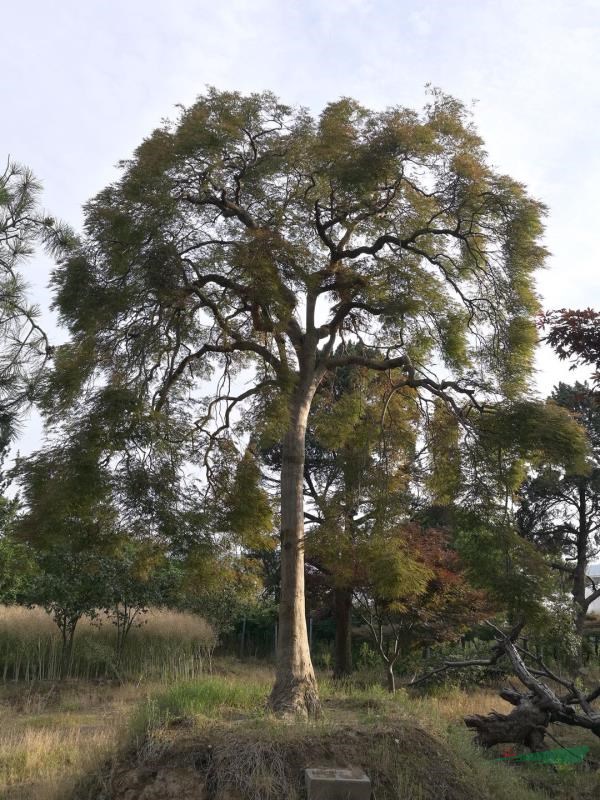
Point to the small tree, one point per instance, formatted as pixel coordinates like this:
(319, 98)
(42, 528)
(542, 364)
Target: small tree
(69, 585)
(67, 522)
(410, 592)
(136, 576)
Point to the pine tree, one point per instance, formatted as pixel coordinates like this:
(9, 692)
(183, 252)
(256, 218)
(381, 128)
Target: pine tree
(24, 346)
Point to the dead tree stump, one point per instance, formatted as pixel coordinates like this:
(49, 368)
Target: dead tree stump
(525, 725)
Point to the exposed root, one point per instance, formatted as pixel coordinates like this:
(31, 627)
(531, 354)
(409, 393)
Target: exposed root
(525, 725)
(295, 697)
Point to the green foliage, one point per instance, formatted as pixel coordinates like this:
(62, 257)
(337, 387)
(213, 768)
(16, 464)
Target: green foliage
(335, 428)
(68, 585)
(367, 657)
(16, 569)
(537, 432)
(202, 256)
(222, 588)
(454, 334)
(205, 698)
(249, 515)
(521, 339)
(361, 444)
(581, 401)
(514, 574)
(66, 496)
(444, 480)
(24, 346)
(556, 631)
(559, 508)
(393, 573)
(270, 418)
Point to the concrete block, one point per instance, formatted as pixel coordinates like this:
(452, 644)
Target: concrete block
(327, 783)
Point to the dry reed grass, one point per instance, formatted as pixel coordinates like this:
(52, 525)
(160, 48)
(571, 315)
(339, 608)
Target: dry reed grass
(177, 625)
(168, 644)
(40, 753)
(455, 704)
(27, 623)
(166, 623)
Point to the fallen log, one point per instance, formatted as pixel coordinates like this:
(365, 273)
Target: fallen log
(525, 725)
(534, 709)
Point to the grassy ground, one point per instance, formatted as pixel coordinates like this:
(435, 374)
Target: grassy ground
(413, 747)
(50, 734)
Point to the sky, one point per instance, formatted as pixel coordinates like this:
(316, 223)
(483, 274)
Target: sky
(83, 81)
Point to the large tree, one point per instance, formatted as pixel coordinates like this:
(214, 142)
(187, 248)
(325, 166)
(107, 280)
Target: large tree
(245, 241)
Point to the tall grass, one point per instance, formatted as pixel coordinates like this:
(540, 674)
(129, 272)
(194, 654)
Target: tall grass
(47, 755)
(169, 645)
(52, 738)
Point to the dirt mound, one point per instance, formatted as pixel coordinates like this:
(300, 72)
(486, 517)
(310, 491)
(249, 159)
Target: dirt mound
(161, 783)
(267, 761)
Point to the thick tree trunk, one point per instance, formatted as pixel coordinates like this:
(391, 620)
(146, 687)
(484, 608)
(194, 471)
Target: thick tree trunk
(342, 664)
(295, 689)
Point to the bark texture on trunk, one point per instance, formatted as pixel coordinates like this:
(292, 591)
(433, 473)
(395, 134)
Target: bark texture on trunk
(342, 600)
(295, 690)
